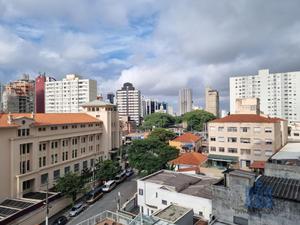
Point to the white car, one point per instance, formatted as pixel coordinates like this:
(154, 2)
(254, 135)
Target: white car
(76, 209)
(109, 185)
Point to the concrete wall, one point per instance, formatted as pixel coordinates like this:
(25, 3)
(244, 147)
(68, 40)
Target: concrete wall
(286, 171)
(230, 201)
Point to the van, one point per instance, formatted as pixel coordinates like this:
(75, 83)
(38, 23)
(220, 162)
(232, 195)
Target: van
(109, 185)
(121, 177)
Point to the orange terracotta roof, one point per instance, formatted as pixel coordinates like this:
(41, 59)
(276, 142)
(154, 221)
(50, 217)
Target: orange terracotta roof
(246, 118)
(44, 119)
(258, 165)
(190, 158)
(187, 137)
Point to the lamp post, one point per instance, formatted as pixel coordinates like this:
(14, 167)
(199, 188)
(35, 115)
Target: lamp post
(47, 204)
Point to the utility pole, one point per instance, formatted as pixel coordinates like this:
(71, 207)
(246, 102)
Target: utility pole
(47, 203)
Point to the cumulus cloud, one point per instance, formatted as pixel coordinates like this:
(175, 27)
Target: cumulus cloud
(159, 46)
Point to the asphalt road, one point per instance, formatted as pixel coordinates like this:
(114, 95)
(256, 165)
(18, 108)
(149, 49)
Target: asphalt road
(108, 201)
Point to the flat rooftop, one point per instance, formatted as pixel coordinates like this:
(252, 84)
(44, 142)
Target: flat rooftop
(288, 155)
(172, 213)
(199, 186)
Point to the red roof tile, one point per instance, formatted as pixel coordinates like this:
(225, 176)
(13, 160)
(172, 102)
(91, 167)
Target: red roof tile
(258, 165)
(246, 118)
(190, 158)
(44, 119)
(187, 137)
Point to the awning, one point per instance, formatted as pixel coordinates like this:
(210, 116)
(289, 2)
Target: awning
(224, 158)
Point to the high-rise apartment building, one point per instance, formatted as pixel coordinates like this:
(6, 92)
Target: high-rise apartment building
(111, 98)
(129, 102)
(69, 94)
(185, 100)
(40, 92)
(279, 93)
(212, 101)
(18, 96)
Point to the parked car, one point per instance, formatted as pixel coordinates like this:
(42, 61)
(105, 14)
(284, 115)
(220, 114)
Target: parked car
(109, 185)
(94, 195)
(121, 177)
(129, 172)
(62, 220)
(76, 209)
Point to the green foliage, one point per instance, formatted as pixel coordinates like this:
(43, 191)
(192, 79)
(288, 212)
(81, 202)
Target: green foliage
(150, 155)
(70, 185)
(178, 119)
(158, 120)
(162, 134)
(197, 118)
(107, 170)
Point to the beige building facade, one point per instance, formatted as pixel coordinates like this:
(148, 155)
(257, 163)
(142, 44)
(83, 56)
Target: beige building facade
(212, 101)
(36, 148)
(247, 106)
(245, 138)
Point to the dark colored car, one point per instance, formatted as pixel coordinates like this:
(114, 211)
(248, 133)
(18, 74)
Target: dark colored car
(129, 172)
(62, 220)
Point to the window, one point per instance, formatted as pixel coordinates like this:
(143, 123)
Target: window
(141, 191)
(245, 151)
(26, 185)
(212, 139)
(232, 139)
(232, 150)
(257, 141)
(74, 126)
(42, 129)
(296, 134)
(213, 149)
(44, 178)
(268, 130)
(84, 164)
(53, 128)
(257, 152)
(245, 129)
(83, 140)
(56, 174)
(220, 128)
(268, 152)
(268, 142)
(256, 129)
(245, 140)
(74, 153)
(240, 221)
(156, 195)
(232, 129)
(221, 139)
(23, 132)
(221, 149)
(67, 169)
(74, 141)
(164, 202)
(76, 167)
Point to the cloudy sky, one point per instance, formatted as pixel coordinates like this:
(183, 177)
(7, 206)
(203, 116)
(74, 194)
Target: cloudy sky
(159, 46)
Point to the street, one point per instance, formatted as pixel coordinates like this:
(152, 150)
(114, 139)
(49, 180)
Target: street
(107, 202)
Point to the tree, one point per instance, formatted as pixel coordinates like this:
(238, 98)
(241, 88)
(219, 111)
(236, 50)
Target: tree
(107, 170)
(150, 155)
(158, 120)
(162, 134)
(197, 118)
(70, 185)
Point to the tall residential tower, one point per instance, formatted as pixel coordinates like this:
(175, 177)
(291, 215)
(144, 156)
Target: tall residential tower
(212, 101)
(129, 102)
(185, 100)
(279, 93)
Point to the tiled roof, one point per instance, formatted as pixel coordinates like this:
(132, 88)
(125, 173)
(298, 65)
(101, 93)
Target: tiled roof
(258, 165)
(246, 118)
(187, 137)
(44, 119)
(190, 158)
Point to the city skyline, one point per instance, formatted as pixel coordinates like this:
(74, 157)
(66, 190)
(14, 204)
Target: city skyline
(132, 42)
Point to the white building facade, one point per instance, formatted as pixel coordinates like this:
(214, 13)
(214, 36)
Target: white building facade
(129, 102)
(161, 189)
(185, 100)
(69, 94)
(279, 93)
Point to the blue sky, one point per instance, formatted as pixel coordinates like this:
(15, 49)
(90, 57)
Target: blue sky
(159, 46)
